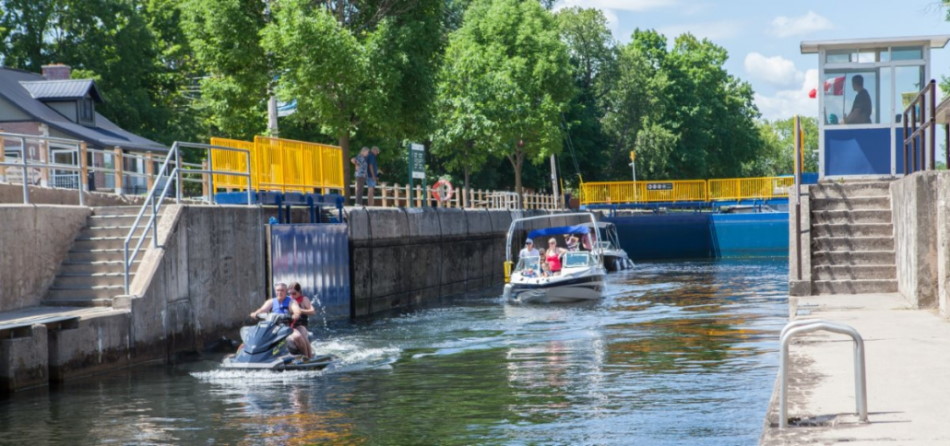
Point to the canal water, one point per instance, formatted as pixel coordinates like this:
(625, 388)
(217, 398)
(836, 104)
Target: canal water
(677, 353)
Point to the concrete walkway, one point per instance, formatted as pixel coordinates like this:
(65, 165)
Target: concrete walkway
(908, 375)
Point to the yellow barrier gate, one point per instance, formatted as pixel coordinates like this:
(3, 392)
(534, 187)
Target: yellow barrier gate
(673, 191)
(278, 164)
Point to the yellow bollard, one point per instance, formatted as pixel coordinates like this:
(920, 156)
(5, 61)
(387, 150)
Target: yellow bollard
(508, 265)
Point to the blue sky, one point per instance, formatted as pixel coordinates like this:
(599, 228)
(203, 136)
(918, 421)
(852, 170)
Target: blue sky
(763, 37)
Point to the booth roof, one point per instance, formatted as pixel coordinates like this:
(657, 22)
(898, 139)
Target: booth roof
(934, 41)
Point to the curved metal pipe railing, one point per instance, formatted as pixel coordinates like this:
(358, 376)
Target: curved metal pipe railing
(803, 326)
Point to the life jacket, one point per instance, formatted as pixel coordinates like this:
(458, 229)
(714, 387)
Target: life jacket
(281, 307)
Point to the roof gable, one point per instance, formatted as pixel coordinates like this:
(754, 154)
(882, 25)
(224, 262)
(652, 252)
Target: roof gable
(61, 90)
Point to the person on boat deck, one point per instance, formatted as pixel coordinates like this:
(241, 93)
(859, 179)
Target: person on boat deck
(553, 256)
(529, 250)
(282, 304)
(572, 242)
(300, 336)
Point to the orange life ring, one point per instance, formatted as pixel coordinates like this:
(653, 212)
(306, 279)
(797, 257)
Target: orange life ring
(442, 190)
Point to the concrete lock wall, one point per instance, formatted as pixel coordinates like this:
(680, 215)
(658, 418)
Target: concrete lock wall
(208, 274)
(402, 258)
(914, 201)
(34, 240)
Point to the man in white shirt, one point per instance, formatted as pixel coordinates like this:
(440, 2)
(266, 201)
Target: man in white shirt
(528, 250)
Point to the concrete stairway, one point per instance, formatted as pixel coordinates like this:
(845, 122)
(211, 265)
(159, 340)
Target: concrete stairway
(92, 273)
(852, 238)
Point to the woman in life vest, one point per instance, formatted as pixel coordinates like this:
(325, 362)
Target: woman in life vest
(306, 309)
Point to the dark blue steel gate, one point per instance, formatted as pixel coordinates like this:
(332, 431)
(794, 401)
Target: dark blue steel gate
(317, 256)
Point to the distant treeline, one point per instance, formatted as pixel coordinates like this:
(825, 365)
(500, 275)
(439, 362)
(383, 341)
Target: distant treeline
(493, 87)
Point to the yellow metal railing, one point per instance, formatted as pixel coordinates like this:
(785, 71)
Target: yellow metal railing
(611, 192)
(281, 164)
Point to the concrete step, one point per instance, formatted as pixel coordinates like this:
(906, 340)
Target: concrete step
(859, 286)
(851, 216)
(850, 189)
(113, 220)
(882, 202)
(78, 302)
(84, 243)
(826, 258)
(95, 255)
(111, 231)
(90, 280)
(853, 243)
(84, 292)
(847, 272)
(116, 210)
(852, 230)
(93, 266)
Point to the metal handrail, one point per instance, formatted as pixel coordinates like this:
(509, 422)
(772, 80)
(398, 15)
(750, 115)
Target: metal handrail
(919, 125)
(25, 164)
(154, 199)
(795, 328)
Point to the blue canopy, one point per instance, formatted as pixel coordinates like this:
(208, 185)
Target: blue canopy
(576, 229)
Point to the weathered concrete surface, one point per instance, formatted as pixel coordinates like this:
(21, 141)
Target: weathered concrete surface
(24, 359)
(13, 194)
(914, 200)
(207, 275)
(800, 285)
(907, 355)
(402, 258)
(93, 343)
(942, 208)
(34, 240)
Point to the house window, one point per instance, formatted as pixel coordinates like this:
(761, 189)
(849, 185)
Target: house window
(85, 110)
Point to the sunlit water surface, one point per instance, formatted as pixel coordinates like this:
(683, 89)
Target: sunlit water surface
(677, 353)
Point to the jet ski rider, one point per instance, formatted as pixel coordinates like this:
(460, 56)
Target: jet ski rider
(284, 304)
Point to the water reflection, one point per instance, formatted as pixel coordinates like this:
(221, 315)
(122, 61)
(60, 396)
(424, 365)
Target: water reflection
(677, 353)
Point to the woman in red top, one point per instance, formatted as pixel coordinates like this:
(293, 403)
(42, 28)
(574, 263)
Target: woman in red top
(553, 256)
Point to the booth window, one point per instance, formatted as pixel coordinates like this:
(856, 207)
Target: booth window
(851, 97)
(907, 53)
(908, 82)
(866, 55)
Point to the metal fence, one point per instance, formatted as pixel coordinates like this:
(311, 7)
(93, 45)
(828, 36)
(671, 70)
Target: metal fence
(282, 165)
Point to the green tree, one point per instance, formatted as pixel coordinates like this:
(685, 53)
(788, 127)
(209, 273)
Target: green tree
(511, 67)
(358, 66)
(776, 154)
(638, 94)
(593, 56)
(107, 40)
(224, 36)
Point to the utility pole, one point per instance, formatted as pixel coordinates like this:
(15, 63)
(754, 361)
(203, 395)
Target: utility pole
(633, 165)
(272, 130)
(554, 190)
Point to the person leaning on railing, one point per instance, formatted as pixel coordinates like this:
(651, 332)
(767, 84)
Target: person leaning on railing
(360, 161)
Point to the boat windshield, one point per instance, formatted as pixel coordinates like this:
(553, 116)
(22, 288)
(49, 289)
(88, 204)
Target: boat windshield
(528, 263)
(604, 245)
(575, 259)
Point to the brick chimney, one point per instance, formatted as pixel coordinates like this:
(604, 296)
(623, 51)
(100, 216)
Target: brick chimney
(56, 72)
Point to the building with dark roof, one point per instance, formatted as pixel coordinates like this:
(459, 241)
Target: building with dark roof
(53, 105)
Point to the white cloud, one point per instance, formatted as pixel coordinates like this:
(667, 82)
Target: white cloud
(776, 70)
(714, 31)
(787, 103)
(619, 5)
(792, 26)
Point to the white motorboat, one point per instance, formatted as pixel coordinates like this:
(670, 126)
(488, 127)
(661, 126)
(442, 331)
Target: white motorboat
(615, 258)
(580, 279)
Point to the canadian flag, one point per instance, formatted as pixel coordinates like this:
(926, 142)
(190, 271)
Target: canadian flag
(833, 87)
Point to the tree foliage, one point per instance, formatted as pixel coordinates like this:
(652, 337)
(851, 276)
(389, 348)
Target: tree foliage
(507, 66)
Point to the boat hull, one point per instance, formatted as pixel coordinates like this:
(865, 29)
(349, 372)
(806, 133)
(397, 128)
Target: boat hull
(581, 289)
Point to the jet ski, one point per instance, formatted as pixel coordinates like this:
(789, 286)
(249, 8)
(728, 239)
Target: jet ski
(265, 347)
